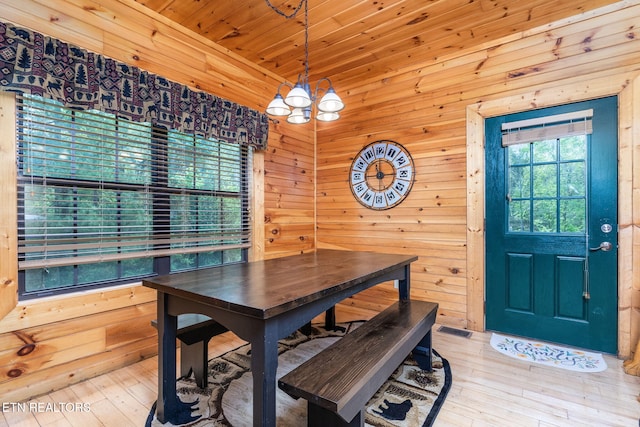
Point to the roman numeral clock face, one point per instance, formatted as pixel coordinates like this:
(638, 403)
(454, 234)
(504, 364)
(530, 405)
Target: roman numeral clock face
(382, 175)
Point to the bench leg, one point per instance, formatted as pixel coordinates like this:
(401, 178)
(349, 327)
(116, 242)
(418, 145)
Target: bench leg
(306, 329)
(422, 353)
(321, 417)
(329, 322)
(193, 357)
(330, 319)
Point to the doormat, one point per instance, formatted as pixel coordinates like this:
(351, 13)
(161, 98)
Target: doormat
(411, 397)
(548, 354)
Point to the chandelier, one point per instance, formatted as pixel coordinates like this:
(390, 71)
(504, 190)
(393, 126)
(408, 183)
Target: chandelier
(297, 106)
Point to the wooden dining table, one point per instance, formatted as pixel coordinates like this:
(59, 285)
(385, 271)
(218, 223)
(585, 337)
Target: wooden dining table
(262, 302)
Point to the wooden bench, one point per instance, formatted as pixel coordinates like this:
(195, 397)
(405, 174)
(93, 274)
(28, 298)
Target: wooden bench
(339, 381)
(194, 332)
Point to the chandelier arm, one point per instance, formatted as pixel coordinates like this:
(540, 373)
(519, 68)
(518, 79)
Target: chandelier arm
(285, 84)
(319, 89)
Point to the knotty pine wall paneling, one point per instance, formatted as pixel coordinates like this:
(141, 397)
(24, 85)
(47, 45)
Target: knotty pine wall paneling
(289, 196)
(436, 110)
(49, 343)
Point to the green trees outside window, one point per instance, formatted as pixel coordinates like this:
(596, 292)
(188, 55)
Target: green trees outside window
(547, 186)
(103, 200)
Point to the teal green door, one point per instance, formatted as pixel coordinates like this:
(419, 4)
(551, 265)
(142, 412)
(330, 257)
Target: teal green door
(551, 224)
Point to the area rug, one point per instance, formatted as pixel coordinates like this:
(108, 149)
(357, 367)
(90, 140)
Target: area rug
(411, 397)
(548, 354)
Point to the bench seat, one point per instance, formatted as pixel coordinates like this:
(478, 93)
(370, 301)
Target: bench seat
(339, 381)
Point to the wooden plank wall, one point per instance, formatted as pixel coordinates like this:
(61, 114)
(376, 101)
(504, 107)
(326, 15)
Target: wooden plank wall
(425, 109)
(49, 343)
(289, 218)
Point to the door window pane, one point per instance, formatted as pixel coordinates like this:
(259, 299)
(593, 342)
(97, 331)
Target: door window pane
(519, 154)
(545, 180)
(572, 216)
(520, 214)
(572, 179)
(573, 148)
(545, 151)
(544, 216)
(519, 181)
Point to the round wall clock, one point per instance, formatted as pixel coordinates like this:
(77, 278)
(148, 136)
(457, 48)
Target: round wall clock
(382, 175)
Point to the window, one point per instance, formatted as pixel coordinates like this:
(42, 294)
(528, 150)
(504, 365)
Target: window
(103, 201)
(547, 186)
(546, 163)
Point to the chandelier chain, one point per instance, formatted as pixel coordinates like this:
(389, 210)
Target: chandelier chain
(281, 13)
(304, 3)
(306, 40)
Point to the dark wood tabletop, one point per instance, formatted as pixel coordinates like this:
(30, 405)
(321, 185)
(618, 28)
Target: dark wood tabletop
(263, 289)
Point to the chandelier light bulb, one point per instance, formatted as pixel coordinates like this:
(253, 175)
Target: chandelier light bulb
(330, 102)
(327, 116)
(277, 107)
(298, 97)
(299, 116)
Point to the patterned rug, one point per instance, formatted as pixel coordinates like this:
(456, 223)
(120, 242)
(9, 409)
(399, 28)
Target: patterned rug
(411, 397)
(549, 354)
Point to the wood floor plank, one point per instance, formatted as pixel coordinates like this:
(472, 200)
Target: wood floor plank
(61, 423)
(146, 387)
(81, 417)
(111, 413)
(90, 392)
(120, 398)
(45, 416)
(18, 418)
(536, 409)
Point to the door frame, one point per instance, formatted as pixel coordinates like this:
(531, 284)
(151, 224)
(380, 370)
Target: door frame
(627, 88)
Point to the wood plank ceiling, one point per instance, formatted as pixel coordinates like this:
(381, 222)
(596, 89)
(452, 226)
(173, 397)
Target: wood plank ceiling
(353, 41)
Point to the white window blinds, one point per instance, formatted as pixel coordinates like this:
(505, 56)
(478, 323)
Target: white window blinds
(545, 128)
(95, 188)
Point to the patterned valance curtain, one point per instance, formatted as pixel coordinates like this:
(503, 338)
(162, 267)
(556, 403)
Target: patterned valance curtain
(36, 64)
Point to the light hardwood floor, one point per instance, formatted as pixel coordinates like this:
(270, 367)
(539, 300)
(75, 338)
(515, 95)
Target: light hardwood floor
(488, 389)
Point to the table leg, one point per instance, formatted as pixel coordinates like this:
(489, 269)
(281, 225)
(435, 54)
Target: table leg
(169, 408)
(404, 285)
(167, 326)
(264, 364)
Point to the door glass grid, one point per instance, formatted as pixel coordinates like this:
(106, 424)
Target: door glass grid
(546, 186)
